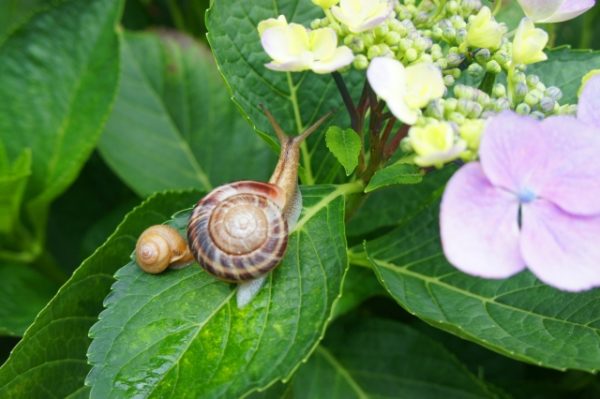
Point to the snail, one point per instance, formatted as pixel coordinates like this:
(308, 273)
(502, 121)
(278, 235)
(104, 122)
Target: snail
(239, 231)
(159, 247)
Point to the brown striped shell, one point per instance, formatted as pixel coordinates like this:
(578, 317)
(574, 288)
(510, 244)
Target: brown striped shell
(238, 231)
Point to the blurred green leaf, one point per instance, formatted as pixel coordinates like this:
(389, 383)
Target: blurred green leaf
(58, 78)
(518, 317)
(13, 179)
(174, 125)
(345, 145)
(25, 291)
(564, 69)
(360, 284)
(296, 99)
(390, 206)
(182, 334)
(377, 358)
(51, 357)
(397, 173)
(14, 13)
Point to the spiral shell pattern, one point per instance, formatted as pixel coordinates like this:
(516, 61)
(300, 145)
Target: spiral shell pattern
(237, 232)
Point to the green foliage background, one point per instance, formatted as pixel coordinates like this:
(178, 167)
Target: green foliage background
(115, 115)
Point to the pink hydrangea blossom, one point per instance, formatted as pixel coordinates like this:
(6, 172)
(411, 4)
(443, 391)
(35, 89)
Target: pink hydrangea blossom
(555, 10)
(532, 201)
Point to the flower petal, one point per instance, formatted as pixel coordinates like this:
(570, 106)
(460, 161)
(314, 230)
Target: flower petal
(561, 249)
(589, 103)
(479, 225)
(387, 77)
(323, 43)
(573, 176)
(285, 43)
(539, 10)
(570, 9)
(513, 152)
(341, 57)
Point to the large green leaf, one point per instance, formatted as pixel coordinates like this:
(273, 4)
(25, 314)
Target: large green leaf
(181, 334)
(51, 357)
(174, 125)
(58, 77)
(565, 68)
(296, 99)
(519, 317)
(377, 358)
(25, 291)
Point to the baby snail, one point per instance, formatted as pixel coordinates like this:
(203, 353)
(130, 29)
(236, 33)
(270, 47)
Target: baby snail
(239, 231)
(159, 247)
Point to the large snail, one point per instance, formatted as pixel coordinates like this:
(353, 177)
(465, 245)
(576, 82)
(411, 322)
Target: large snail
(239, 231)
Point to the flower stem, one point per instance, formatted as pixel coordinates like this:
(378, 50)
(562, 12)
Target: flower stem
(343, 89)
(307, 176)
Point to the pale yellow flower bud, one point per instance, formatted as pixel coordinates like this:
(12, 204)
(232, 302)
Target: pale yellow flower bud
(586, 78)
(293, 48)
(529, 43)
(325, 4)
(484, 32)
(362, 15)
(405, 90)
(435, 144)
(271, 23)
(471, 132)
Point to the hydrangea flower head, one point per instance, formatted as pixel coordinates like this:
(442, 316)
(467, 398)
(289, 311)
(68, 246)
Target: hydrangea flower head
(293, 48)
(555, 10)
(531, 201)
(405, 90)
(362, 15)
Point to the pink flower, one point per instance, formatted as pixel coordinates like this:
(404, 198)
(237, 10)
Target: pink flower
(534, 199)
(555, 10)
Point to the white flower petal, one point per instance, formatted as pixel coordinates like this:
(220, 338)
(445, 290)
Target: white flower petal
(342, 57)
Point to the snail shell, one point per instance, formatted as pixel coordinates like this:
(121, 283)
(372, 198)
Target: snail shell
(159, 247)
(239, 231)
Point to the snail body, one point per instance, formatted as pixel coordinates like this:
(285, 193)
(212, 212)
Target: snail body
(159, 247)
(239, 231)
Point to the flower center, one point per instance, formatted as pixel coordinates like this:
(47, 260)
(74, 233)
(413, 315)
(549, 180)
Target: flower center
(526, 196)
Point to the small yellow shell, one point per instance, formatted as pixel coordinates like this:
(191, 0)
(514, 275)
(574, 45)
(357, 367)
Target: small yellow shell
(159, 247)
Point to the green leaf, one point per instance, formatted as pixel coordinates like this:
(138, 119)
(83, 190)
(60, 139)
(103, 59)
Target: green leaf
(51, 357)
(390, 206)
(518, 317)
(13, 179)
(24, 292)
(345, 145)
(58, 77)
(397, 173)
(174, 125)
(182, 334)
(376, 358)
(565, 68)
(360, 284)
(14, 13)
(296, 99)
